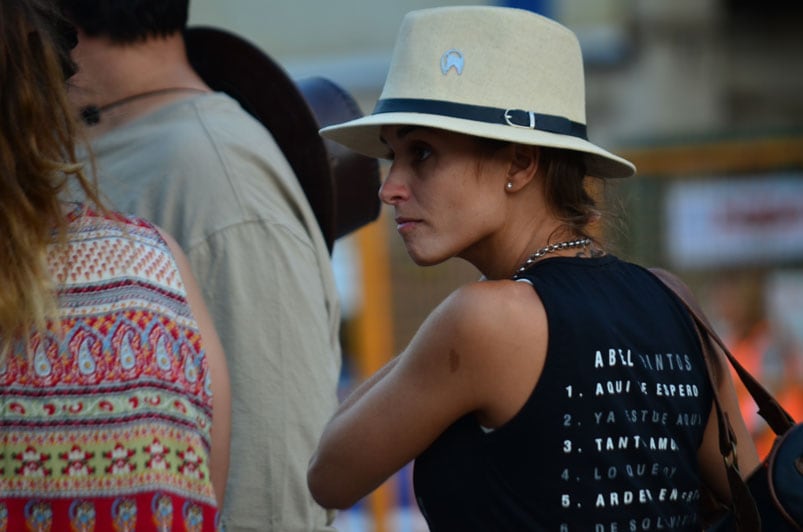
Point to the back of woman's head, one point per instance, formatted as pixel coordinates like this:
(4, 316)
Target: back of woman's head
(37, 156)
(566, 190)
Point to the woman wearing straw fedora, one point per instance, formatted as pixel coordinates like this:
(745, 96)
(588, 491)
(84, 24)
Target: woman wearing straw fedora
(566, 390)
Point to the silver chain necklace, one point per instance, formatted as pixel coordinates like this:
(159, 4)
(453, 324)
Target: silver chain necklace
(580, 242)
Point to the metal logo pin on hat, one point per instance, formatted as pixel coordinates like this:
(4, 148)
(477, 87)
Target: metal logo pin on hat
(452, 59)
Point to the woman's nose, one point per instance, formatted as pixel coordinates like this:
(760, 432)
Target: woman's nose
(393, 189)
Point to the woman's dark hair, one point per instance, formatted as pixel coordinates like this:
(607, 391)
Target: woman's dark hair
(566, 190)
(128, 21)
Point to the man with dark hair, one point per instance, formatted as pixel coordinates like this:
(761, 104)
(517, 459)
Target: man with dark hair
(193, 161)
(124, 22)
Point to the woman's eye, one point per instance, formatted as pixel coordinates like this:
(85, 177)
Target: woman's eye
(421, 153)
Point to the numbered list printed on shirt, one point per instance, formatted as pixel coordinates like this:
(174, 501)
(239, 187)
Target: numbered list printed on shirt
(625, 417)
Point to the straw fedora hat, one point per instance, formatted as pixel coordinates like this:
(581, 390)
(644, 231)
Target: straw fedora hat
(494, 72)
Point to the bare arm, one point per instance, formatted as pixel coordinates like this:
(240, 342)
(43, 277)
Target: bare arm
(441, 376)
(221, 392)
(366, 385)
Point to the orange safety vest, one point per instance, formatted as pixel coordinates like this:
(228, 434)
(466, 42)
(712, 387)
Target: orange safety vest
(750, 352)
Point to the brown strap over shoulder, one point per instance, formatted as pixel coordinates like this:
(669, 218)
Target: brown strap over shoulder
(743, 505)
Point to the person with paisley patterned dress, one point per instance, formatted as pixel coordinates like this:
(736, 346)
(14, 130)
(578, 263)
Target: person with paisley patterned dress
(114, 391)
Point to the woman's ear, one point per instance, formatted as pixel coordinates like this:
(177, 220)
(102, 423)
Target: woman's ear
(523, 166)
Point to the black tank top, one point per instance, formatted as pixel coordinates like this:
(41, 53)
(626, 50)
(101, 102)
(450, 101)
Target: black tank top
(607, 440)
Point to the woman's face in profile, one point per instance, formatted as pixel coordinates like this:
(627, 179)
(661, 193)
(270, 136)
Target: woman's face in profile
(448, 193)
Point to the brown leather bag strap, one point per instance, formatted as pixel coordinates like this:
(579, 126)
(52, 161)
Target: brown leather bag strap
(777, 418)
(742, 504)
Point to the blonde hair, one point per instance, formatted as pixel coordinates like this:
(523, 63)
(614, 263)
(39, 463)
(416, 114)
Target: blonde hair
(38, 132)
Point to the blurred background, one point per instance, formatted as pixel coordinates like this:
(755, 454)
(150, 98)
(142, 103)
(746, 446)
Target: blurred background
(704, 96)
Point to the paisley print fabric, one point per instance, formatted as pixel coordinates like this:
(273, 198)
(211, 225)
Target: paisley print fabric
(105, 419)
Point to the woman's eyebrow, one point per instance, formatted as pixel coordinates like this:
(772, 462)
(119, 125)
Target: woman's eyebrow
(406, 130)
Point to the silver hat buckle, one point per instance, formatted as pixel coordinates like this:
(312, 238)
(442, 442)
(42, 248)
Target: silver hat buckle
(513, 118)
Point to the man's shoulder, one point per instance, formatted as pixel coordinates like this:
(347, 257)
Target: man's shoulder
(219, 113)
(208, 135)
(206, 152)
(195, 124)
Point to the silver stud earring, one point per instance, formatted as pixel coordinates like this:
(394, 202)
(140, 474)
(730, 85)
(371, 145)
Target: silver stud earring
(509, 185)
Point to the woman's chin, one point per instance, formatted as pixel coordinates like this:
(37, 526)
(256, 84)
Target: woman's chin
(425, 259)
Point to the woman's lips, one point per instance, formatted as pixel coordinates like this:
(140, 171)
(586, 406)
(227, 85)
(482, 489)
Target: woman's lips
(404, 225)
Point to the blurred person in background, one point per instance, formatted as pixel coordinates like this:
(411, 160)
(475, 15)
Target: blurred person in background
(192, 160)
(567, 389)
(739, 306)
(113, 381)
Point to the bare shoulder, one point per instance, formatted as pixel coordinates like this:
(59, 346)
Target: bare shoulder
(497, 329)
(491, 322)
(491, 304)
